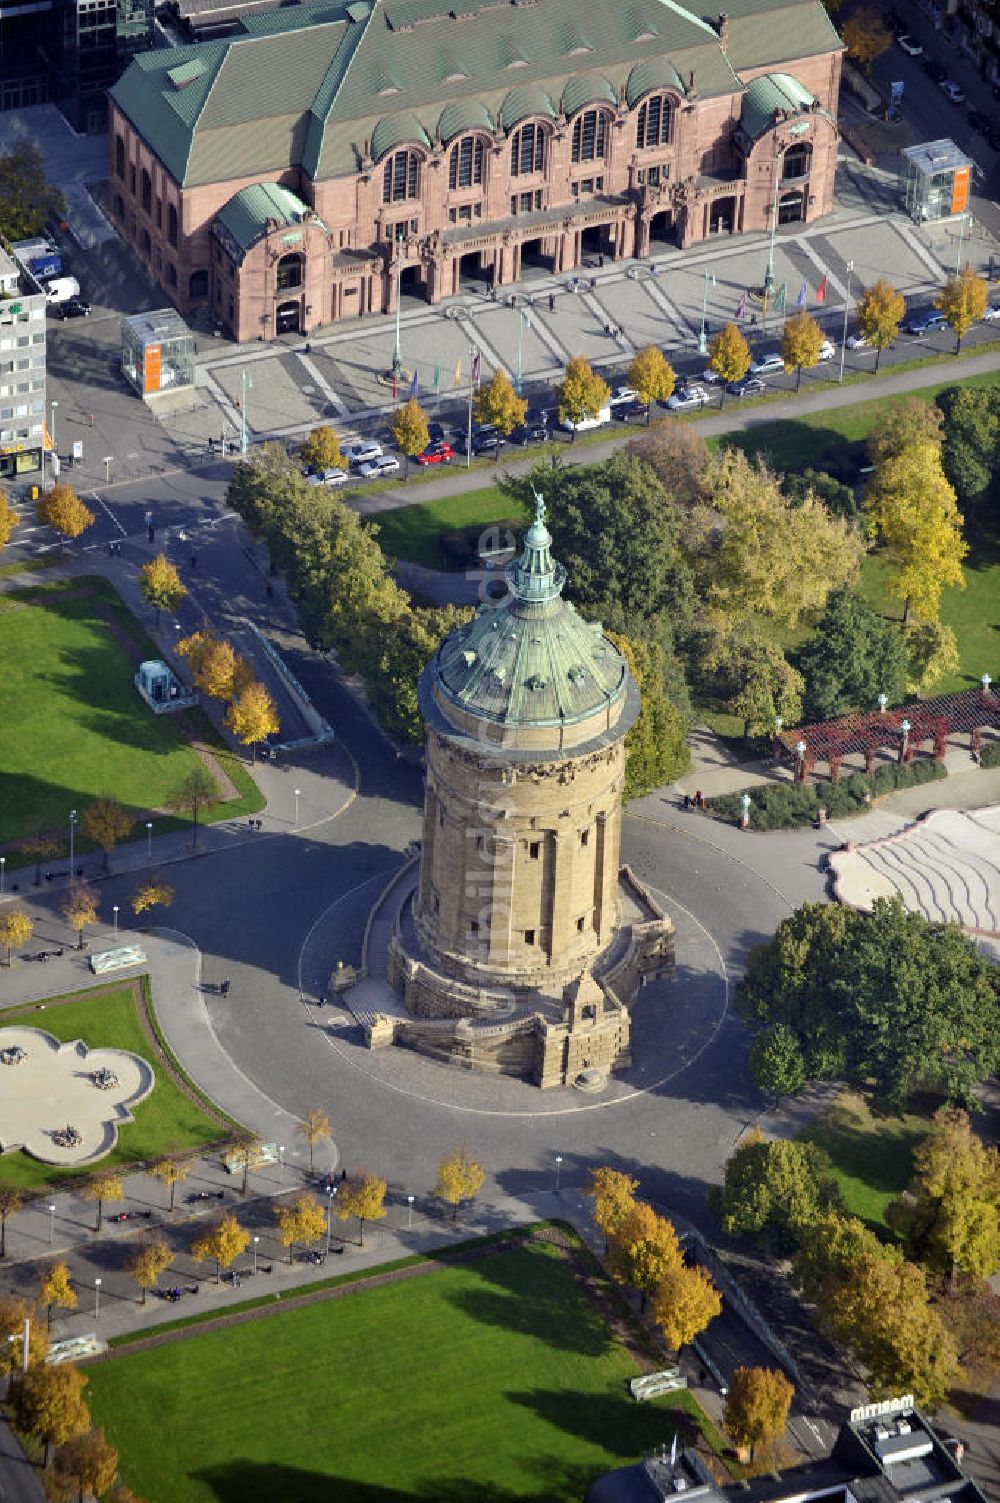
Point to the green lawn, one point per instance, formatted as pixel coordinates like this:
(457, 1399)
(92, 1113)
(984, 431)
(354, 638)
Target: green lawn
(166, 1121)
(415, 532)
(872, 1156)
(73, 725)
(495, 1379)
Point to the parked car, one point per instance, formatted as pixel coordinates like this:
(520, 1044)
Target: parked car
(435, 433)
(329, 477)
(529, 433)
(61, 289)
(709, 375)
(933, 69)
(827, 350)
(375, 469)
(910, 45)
(767, 364)
(688, 397)
(487, 441)
(622, 395)
(926, 323)
(73, 307)
(632, 412)
(598, 421)
(439, 453)
(951, 91)
(363, 451)
(992, 315)
(750, 386)
(857, 341)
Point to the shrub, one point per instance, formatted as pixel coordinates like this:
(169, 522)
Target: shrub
(990, 754)
(782, 806)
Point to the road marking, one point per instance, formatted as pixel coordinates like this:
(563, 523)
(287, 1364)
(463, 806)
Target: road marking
(336, 402)
(109, 513)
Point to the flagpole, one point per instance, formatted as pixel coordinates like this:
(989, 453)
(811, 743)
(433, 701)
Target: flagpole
(847, 304)
(702, 342)
(468, 432)
(397, 354)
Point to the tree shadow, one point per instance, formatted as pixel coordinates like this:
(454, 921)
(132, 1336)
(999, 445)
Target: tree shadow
(276, 1482)
(529, 1292)
(615, 1422)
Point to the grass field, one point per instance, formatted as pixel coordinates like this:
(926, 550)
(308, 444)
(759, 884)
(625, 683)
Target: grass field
(415, 532)
(74, 726)
(872, 1156)
(494, 1379)
(167, 1121)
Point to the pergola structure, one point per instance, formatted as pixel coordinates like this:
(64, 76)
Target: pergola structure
(902, 731)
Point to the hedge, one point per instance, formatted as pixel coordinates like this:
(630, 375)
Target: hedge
(990, 754)
(781, 806)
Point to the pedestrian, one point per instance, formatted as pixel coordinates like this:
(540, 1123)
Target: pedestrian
(600, 260)
(608, 330)
(194, 560)
(687, 800)
(552, 302)
(152, 532)
(250, 823)
(260, 824)
(699, 799)
(224, 988)
(593, 284)
(753, 319)
(269, 590)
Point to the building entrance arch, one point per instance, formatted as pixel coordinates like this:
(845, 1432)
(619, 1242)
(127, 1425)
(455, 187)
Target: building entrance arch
(791, 208)
(288, 318)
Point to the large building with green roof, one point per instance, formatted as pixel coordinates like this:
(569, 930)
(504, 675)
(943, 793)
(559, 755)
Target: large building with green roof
(296, 172)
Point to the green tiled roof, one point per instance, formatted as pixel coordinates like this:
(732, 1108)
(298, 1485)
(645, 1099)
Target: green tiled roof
(765, 95)
(397, 130)
(309, 84)
(464, 115)
(246, 215)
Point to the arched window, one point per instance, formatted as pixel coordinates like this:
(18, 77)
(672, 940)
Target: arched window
(401, 177)
(527, 151)
(289, 272)
(465, 165)
(795, 162)
(654, 122)
(590, 133)
(198, 284)
(147, 191)
(120, 157)
(172, 223)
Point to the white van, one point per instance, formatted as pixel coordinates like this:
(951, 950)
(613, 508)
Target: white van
(61, 289)
(604, 416)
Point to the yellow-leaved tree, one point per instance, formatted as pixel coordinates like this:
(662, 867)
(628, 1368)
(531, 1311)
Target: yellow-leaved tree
(216, 667)
(911, 509)
(315, 1128)
(931, 655)
(801, 342)
(104, 1186)
(962, 300)
(729, 355)
(581, 393)
(55, 1288)
(148, 1261)
(459, 1178)
(172, 1171)
(248, 1153)
(300, 1220)
(684, 1303)
(152, 893)
(86, 1464)
(14, 1311)
(652, 377)
(321, 450)
(11, 1201)
(79, 909)
(362, 1196)
(408, 426)
(106, 823)
(61, 509)
(880, 313)
(160, 586)
(613, 1194)
(48, 1404)
(8, 520)
(253, 716)
(757, 1406)
(643, 1248)
(498, 403)
(221, 1244)
(866, 36)
(16, 928)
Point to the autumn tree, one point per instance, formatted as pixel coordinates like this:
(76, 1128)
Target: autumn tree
(581, 393)
(866, 36)
(498, 403)
(88, 1463)
(55, 1288)
(79, 908)
(613, 1194)
(172, 1172)
(321, 450)
(962, 300)
(106, 823)
(61, 509)
(729, 355)
(757, 1406)
(801, 342)
(14, 1311)
(408, 426)
(300, 1220)
(683, 1303)
(16, 928)
(911, 509)
(8, 520)
(880, 312)
(216, 668)
(931, 649)
(677, 454)
(642, 1249)
(900, 425)
(11, 1201)
(198, 789)
(160, 586)
(39, 846)
(949, 1218)
(247, 1154)
(253, 716)
(362, 1196)
(104, 1186)
(151, 1258)
(315, 1128)
(221, 1243)
(459, 1178)
(652, 377)
(48, 1404)
(152, 893)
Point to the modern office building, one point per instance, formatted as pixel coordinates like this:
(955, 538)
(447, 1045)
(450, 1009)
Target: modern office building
(22, 371)
(70, 52)
(295, 172)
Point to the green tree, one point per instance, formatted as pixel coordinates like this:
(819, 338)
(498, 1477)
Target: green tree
(911, 509)
(827, 1251)
(61, 509)
(852, 657)
(160, 586)
(197, 790)
(48, 1404)
(962, 300)
(801, 343)
(642, 1248)
(613, 1194)
(775, 1189)
(901, 425)
(757, 1406)
(11, 1201)
(363, 1197)
(581, 394)
(397, 657)
(459, 1178)
(656, 747)
(147, 1262)
(729, 355)
(28, 201)
(684, 1303)
(881, 310)
(253, 716)
(652, 377)
(315, 1128)
(498, 403)
(300, 1220)
(87, 1463)
(751, 675)
(221, 1244)
(321, 450)
(107, 1185)
(776, 1062)
(950, 1216)
(837, 497)
(931, 655)
(106, 823)
(866, 36)
(408, 426)
(970, 454)
(55, 1288)
(16, 928)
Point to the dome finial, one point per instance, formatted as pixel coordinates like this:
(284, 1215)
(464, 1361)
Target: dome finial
(539, 505)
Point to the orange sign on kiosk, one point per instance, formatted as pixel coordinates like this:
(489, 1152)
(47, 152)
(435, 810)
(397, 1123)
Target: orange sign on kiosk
(151, 369)
(960, 190)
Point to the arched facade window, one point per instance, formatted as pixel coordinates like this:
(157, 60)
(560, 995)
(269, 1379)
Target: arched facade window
(290, 272)
(198, 284)
(120, 157)
(590, 136)
(147, 191)
(466, 163)
(791, 208)
(172, 224)
(655, 117)
(527, 151)
(795, 162)
(401, 177)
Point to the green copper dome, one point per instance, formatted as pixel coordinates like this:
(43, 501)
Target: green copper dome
(529, 659)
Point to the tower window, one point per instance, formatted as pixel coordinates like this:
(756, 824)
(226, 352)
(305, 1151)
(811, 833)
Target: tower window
(535, 849)
(529, 936)
(584, 837)
(473, 926)
(579, 925)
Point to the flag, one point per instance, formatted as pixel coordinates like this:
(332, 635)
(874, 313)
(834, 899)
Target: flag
(779, 299)
(803, 296)
(475, 369)
(413, 386)
(673, 1451)
(395, 386)
(741, 307)
(437, 378)
(821, 290)
(458, 371)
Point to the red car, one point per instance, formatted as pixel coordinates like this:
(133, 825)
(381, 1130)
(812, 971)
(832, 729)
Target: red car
(436, 454)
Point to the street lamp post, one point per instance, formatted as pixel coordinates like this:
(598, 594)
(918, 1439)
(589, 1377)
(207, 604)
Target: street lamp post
(114, 910)
(108, 460)
(296, 791)
(247, 385)
(523, 319)
(52, 1224)
(72, 832)
(97, 1298)
(558, 1167)
(52, 429)
(847, 304)
(149, 840)
(255, 1242)
(409, 1212)
(281, 1163)
(331, 1191)
(3, 863)
(702, 337)
(961, 233)
(397, 354)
